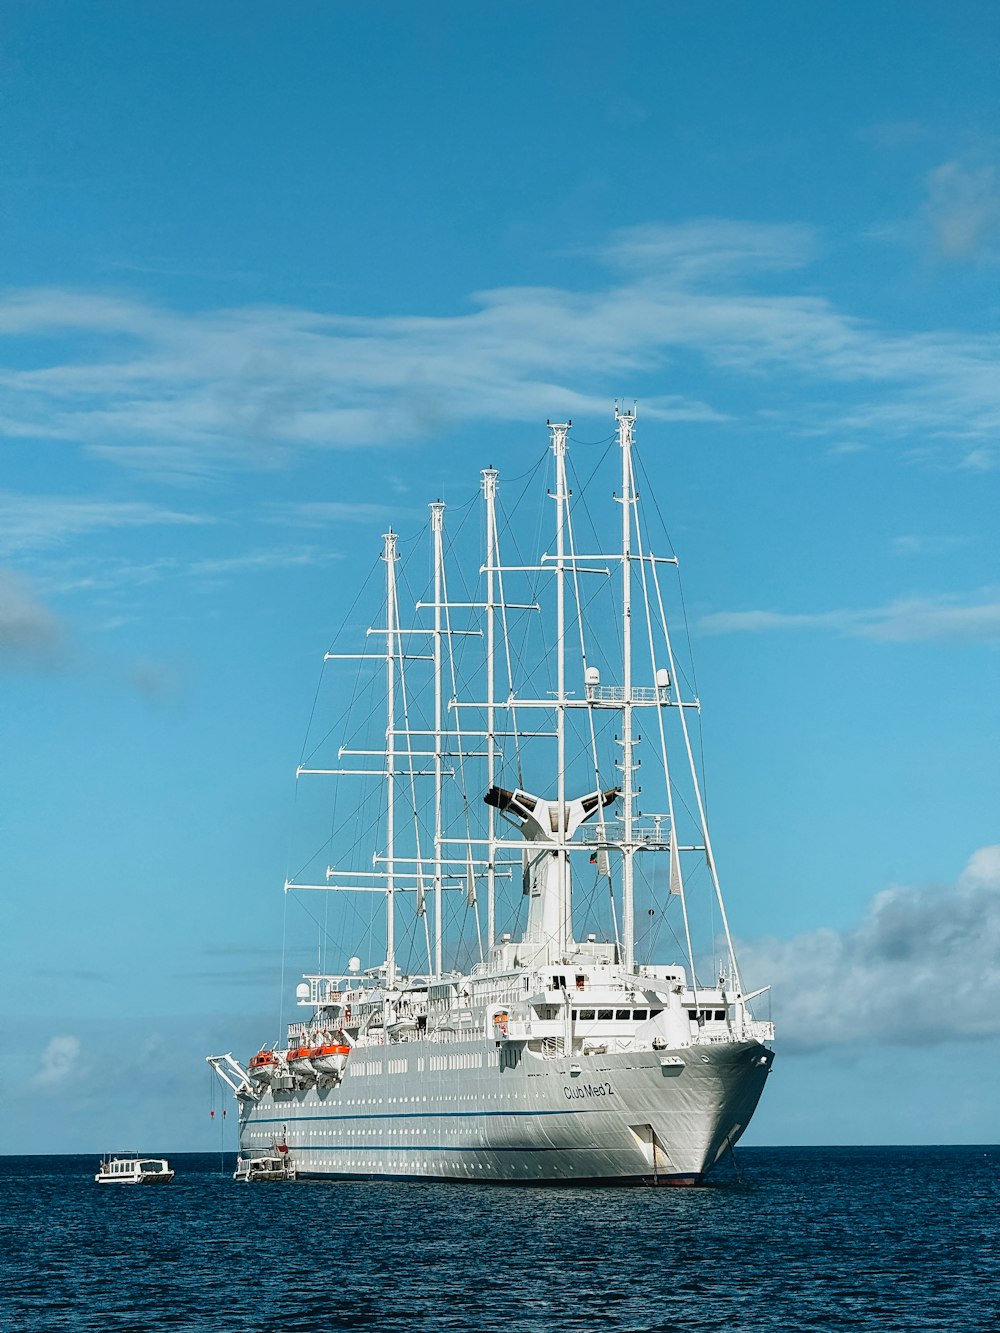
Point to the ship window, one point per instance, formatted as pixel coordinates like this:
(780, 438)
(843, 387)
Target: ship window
(639, 1015)
(655, 1013)
(693, 1015)
(720, 1015)
(605, 1013)
(623, 1013)
(586, 1013)
(581, 983)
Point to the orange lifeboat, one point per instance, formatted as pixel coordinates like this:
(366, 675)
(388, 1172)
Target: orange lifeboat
(330, 1059)
(298, 1060)
(264, 1066)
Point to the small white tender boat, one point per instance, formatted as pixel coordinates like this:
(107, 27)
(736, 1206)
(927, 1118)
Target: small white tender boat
(134, 1170)
(277, 1166)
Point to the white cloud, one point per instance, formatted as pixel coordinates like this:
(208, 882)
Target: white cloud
(711, 248)
(252, 561)
(106, 577)
(156, 682)
(846, 448)
(323, 513)
(893, 134)
(751, 622)
(35, 521)
(963, 210)
(911, 544)
(922, 968)
(918, 619)
(907, 620)
(183, 394)
(59, 1063)
(983, 459)
(30, 635)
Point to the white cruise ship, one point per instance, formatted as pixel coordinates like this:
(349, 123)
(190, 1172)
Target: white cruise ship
(517, 833)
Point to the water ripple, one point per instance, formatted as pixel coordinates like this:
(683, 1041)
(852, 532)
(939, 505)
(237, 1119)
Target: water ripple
(883, 1239)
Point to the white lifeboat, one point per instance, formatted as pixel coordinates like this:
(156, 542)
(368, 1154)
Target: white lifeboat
(264, 1066)
(330, 1059)
(299, 1061)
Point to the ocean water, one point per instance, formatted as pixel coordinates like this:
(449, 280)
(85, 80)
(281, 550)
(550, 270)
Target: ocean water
(823, 1238)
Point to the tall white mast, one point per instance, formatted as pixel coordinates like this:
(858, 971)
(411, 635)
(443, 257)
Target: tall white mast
(490, 478)
(559, 433)
(626, 422)
(391, 624)
(437, 531)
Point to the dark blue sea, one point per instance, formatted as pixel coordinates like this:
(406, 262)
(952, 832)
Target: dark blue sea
(792, 1238)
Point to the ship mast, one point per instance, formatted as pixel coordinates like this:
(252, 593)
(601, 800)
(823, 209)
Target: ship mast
(437, 530)
(489, 484)
(626, 423)
(558, 434)
(391, 624)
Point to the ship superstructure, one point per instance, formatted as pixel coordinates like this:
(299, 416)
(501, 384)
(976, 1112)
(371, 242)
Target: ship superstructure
(502, 795)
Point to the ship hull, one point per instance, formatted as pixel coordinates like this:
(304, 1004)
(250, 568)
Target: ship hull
(459, 1111)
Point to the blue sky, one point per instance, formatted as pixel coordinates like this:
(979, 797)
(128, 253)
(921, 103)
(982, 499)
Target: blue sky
(273, 276)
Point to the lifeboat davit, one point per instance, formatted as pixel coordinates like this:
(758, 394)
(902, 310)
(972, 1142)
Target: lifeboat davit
(330, 1059)
(264, 1066)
